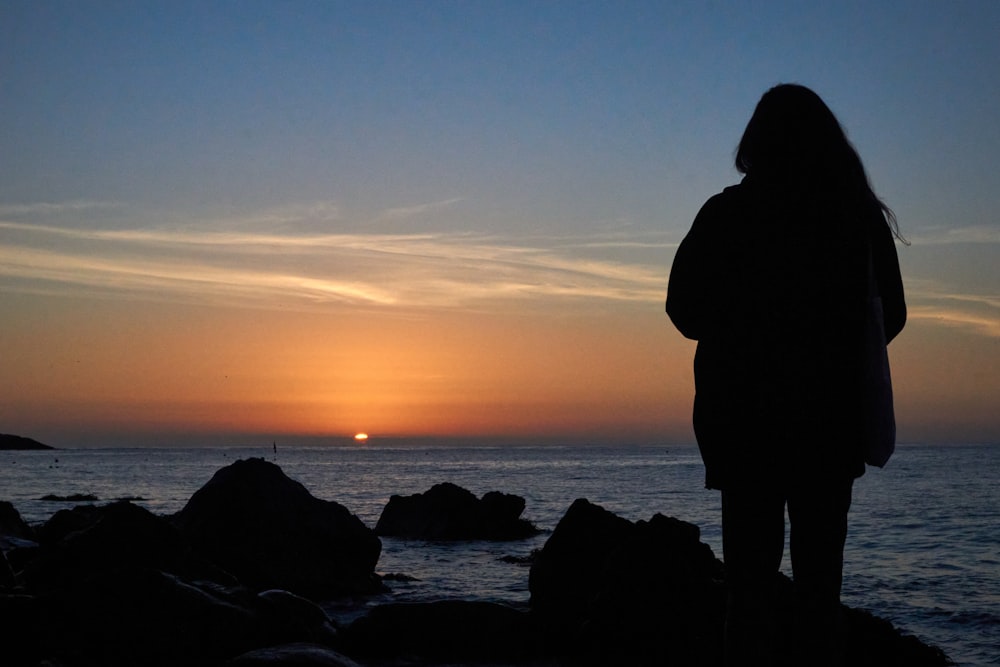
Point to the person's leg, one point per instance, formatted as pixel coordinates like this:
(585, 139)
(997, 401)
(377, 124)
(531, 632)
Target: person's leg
(817, 513)
(753, 539)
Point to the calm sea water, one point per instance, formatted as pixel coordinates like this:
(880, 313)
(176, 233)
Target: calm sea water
(923, 549)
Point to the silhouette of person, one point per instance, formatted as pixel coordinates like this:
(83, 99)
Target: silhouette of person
(772, 281)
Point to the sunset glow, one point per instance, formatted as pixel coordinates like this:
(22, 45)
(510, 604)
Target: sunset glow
(294, 224)
(361, 437)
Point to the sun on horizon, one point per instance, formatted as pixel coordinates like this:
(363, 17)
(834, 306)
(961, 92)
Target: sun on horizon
(360, 437)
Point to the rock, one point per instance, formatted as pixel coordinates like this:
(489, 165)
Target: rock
(573, 557)
(71, 498)
(607, 590)
(292, 655)
(645, 592)
(519, 560)
(138, 616)
(449, 512)
(875, 642)
(86, 541)
(270, 532)
(446, 630)
(20, 553)
(289, 616)
(67, 521)
(6, 573)
(17, 544)
(11, 523)
(20, 630)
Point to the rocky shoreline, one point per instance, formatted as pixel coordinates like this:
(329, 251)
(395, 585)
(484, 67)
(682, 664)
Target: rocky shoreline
(235, 579)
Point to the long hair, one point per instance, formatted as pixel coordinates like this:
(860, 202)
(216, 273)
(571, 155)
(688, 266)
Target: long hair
(793, 139)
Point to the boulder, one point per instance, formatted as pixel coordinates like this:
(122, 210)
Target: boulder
(88, 541)
(647, 592)
(16, 541)
(292, 655)
(290, 617)
(70, 498)
(6, 573)
(445, 630)
(607, 590)
(562, 575)
(67, 521)
(141, 616)
(20, 630)
(449, 512)
(270, 532)
(875, 642)
(11, 523)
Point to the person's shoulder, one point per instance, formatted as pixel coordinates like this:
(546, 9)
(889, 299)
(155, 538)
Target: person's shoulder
(724, 201)
(730, 194)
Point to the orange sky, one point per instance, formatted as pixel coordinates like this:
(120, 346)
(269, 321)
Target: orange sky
(161, 367)
(100, 371)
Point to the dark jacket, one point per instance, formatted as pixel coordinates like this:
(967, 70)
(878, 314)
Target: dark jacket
(773, 287)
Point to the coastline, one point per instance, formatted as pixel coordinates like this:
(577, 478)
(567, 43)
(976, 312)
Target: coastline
(521, 630)
(11, 442)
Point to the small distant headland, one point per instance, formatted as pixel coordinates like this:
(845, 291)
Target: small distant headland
(8, 441)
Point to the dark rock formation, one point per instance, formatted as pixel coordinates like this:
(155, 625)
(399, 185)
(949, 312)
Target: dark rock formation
(6, 573)
(67, 521)
(71, 498)
(89, 541)
(875, 642)
(116, 585)
(449, 512)
(17, 542)
(138, 616)
(21, 627)
(288, 616)
(11, 523)
(562, 574)
(446, 630)
(649, 591)
(270, 532)
(292, 655)
(8, 441)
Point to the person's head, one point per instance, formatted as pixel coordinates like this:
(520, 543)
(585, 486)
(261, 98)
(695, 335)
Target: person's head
(793, 139)
(792, 133)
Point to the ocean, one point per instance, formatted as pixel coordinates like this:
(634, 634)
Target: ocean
(923, 549)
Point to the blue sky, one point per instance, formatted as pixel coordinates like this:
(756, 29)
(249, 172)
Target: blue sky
(547, 157)
(554, 109)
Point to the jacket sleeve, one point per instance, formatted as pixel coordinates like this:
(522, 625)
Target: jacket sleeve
(689, 291)
(889, 280)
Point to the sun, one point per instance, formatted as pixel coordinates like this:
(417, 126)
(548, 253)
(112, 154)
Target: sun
(360, 437)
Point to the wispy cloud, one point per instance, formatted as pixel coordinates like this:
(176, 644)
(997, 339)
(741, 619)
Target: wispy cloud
(978, 234)
(954, 317)
(287, 269)
(403, 212)
(54, 208)
(271, 259)
(935, 303)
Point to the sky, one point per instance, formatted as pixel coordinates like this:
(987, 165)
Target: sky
(236, 222)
